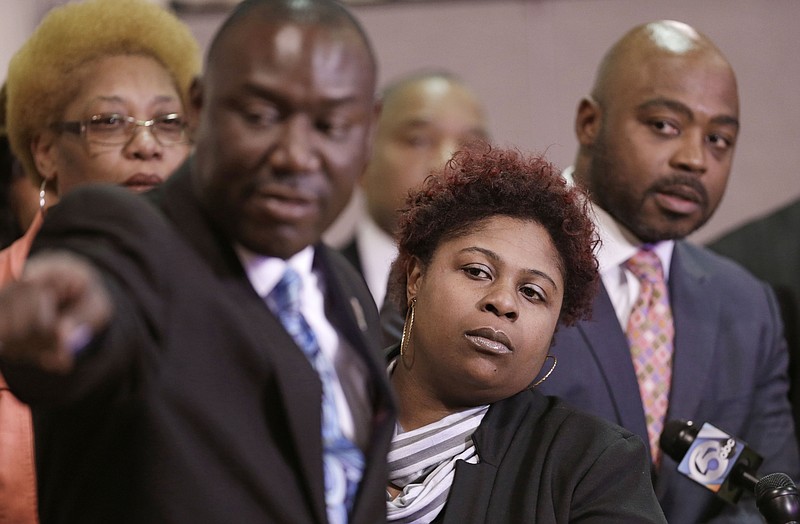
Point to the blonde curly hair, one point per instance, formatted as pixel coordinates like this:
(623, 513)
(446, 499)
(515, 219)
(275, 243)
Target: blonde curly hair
(41, 80)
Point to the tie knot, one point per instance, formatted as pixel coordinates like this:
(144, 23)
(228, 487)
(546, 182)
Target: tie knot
(285, 296)
(646, 265)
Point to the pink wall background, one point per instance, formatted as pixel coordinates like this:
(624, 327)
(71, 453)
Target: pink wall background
(531, 61)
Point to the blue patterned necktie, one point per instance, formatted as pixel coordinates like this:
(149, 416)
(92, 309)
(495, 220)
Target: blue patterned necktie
(343, 461)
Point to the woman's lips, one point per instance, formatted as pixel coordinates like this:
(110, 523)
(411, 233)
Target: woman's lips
(491, 341)
(142, 182)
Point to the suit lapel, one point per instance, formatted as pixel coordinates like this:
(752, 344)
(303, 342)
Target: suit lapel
(473, 483)
(695, 310)
(299, 383)
(355, 317)
(350, 313)
(350, 252)
(343, 307)
(300, 386)
(609, 346)
(692, 305)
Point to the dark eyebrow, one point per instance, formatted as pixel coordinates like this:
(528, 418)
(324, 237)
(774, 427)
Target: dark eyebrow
(118, 99)
(678, 107)
(269, 94)
(496, 258)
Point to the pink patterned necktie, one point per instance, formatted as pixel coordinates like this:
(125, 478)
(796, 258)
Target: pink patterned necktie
(651, 334)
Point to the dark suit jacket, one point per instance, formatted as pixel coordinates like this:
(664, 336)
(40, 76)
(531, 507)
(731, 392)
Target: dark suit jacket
(195, 406)
(350, 252)
(729, 369)
(545, 462)
(770, 249)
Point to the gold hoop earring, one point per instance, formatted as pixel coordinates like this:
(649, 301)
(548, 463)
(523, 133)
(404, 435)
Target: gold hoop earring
(42, 196)
(407, 326)
(555, 362)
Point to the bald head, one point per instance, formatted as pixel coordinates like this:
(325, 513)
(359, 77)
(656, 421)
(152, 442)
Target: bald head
(425, 117)
(402, 84)
(648, 42)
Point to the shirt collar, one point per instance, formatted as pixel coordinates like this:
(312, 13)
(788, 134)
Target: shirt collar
(265, 272)
(376, 251)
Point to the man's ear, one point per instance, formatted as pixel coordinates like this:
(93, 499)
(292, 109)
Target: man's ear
(43, 149)
(195, 103)
(587, 121)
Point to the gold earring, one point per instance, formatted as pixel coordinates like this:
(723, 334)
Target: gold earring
(407, 326)
(555, 361)
(42, 195)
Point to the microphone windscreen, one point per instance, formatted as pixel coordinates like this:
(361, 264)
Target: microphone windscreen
(771, 482)
(778, 499)
(677, 438)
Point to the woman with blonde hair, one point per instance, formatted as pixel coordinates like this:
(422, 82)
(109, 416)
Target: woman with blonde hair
(97, 94)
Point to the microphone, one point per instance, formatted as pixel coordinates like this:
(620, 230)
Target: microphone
(727, 466)
(778, 499)
(712, 458)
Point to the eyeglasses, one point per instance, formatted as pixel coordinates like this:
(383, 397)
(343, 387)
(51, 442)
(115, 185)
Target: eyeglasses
(114, 129)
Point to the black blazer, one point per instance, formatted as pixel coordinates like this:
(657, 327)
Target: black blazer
(195, 405)
(350, 252)
(543, 461)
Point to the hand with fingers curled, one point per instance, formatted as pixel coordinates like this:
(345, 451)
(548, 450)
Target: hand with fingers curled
(48, 316)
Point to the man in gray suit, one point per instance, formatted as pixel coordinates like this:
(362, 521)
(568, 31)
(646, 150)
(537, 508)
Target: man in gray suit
(151, 336)
(657, 137)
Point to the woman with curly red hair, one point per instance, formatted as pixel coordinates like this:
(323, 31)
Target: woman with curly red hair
(494, 253)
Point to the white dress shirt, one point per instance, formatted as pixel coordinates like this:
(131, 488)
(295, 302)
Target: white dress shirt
(376, 251)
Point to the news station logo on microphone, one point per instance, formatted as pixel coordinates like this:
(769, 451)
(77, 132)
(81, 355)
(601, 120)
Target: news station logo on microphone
(711, 459)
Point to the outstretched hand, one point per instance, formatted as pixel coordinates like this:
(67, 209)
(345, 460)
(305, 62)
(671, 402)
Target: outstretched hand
(52, 312)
